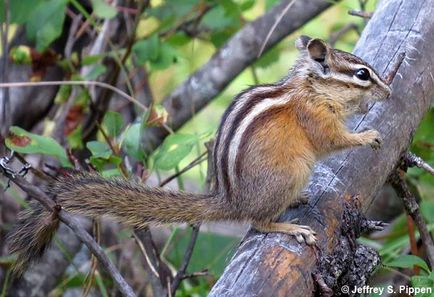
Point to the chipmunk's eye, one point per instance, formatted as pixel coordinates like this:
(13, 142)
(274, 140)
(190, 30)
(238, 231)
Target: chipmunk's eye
(362, 74)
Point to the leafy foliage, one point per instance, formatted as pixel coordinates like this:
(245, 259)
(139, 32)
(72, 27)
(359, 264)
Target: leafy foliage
(28, 143)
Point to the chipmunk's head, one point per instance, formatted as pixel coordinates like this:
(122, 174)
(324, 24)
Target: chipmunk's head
(339, 75)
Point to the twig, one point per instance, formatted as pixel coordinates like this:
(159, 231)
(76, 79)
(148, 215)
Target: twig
(397, 180)
(413, 160)
(187, 256)
(82, 234)
(76, 20)
(204, 272)
(362, 14)
(413, 242)
(180, 275)
(75, 83)
(115, 149)
(192, 164)
(254, 74)
(145, 254)
(80, 83)
(392, 73)
(156, 267)
(285, 10)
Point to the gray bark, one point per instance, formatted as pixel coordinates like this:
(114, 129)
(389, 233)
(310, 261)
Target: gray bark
(229, 61)
(28, 105)
(275, 264)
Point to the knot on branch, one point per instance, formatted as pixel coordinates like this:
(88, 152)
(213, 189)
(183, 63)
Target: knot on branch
(351, 263)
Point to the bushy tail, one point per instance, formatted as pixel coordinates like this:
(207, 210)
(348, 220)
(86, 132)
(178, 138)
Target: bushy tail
(32, 235)
(128, 202)
(133, 203)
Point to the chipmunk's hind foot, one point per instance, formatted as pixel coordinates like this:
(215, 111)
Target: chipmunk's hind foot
(300, 232)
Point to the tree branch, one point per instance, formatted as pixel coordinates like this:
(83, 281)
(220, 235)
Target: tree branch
(187, 256)
(413, 160)
(275, 264)
(230, 60)
(84, 236)
(397, 179)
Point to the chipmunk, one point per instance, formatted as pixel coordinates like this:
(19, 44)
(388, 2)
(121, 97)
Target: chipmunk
(267, 143)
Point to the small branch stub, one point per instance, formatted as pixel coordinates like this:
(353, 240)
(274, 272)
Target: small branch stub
(391, 75)
(362, 14)
(412, 160)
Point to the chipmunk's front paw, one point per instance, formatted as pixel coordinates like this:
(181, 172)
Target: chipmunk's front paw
(373, 138)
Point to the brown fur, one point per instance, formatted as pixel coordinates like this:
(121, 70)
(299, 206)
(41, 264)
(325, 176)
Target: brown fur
(133, 203)
(32, 235)
(303, 120)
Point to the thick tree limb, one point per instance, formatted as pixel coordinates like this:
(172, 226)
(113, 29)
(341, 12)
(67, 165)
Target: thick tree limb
(275, 264)
(229, 61)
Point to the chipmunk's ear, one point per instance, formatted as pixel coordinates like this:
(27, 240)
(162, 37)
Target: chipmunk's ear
(317, 50)
(301, 42)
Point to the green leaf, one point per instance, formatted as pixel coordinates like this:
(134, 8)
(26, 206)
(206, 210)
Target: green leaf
(173, 150)
(427, 209)
(166, 57)
(423, 142)
(28, 143)
(92, 59)
(178, 39)
(111, 172)
(147, 49)
(112, 123)
(220, 37)
(423, 285)
(270, 57)
(408, 261)
(103, 10)
(63, 94)
(96, 71)
(20, 10)
(45, 23)
(230, 7)
(246, 5)
(21, 55)
(99, 149)
(75, 138)
(171, 10)
(131, 142)
(270, 3)
(217, 19)
(160, 55)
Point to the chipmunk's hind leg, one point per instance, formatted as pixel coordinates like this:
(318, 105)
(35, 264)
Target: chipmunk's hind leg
(300, 232)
